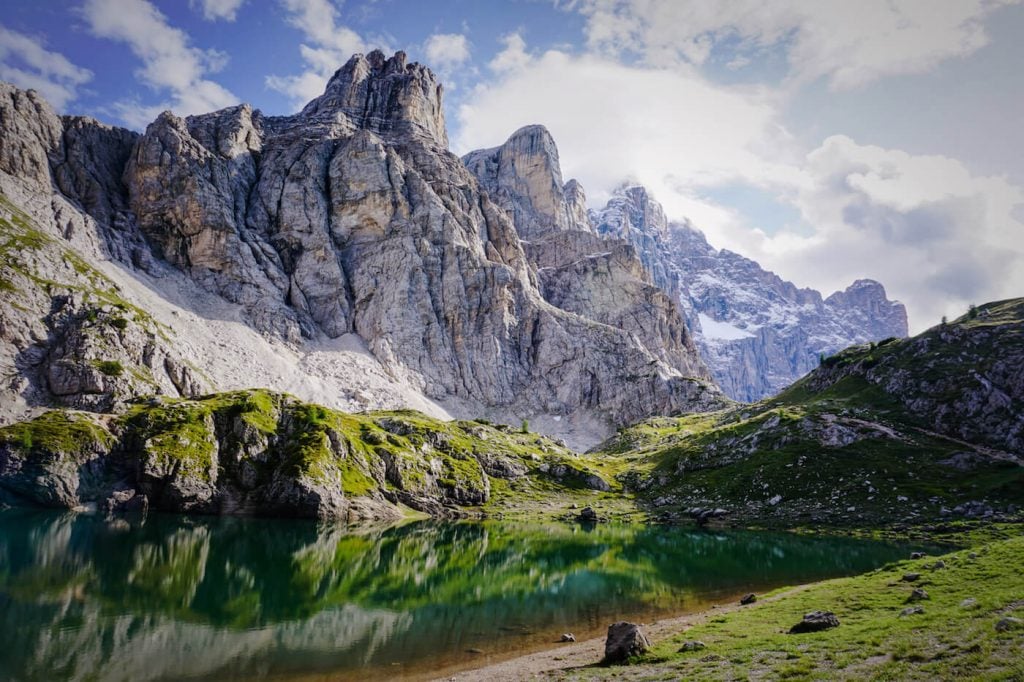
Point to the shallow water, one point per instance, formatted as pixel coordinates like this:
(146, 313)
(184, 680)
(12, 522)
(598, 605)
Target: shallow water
(204, 598)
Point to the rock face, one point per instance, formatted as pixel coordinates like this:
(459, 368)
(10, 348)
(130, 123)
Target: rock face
(352, 219)
(757, 332)
(600, 278)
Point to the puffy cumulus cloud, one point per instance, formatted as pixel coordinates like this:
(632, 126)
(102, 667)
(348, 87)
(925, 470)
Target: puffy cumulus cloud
(170, 64)
(937, 236)
(328, 45)
(668, 128)
(446, 50)
(25, 62)
(850, 43)
(217, 9)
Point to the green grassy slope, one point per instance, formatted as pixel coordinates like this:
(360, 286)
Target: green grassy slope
(954, 637)
(900, 430)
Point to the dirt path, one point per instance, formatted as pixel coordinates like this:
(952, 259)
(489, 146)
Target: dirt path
(556, 662)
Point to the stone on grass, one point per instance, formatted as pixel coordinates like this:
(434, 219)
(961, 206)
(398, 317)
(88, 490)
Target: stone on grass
(588, 515)
(815, 621)
(912, 610)
(910, 577)
(624, 641)
(568, 637)
(1009, 623)
(748, 599)
(918, 595)
(969, 603)
(692, 645)
(917, 555)
(937, 565)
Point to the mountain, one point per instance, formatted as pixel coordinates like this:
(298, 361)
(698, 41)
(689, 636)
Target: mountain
(342, 254)
(900, 431)
(577, 270)
(757, 332)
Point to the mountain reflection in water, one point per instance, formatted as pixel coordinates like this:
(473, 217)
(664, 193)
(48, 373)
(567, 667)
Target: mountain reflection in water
(174, 597)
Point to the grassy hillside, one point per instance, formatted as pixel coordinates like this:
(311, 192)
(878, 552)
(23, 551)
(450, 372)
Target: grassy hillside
(905, 430)
(971, 626)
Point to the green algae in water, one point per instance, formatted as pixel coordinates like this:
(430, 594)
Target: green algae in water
(204, 598)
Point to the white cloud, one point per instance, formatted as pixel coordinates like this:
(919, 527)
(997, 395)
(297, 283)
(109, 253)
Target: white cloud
(329, 46)
(850, 43)
(169, 63)
(26, 63)
(668, 128)
(218, 9)
(937, 236)
(446, 50)
(513, 57)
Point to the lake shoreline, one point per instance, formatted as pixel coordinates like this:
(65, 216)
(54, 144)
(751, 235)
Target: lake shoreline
(562, 658)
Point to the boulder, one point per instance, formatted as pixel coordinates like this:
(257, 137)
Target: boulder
(624, 641)
(918, 595)
(815, 621)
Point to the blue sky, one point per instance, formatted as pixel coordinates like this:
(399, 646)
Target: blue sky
(829, 140)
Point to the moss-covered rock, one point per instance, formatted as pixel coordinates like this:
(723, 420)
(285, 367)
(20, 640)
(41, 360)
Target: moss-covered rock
(258, 452)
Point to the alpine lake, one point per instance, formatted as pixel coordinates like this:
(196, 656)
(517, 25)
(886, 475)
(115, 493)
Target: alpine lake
(167, 597)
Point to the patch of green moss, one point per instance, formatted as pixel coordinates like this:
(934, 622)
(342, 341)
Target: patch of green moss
(112, 368)
(176, 431)
(58, 432)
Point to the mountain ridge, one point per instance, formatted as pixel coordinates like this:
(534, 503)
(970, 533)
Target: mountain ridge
(347, 220)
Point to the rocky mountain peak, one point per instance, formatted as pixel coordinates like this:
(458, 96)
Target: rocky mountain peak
(388, 96)
(524, 176)
(757, 332)
(866, 299)
(631, 208)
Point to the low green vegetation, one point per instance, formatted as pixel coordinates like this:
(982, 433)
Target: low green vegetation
(969, 626)
(868, 438)
(58, 433)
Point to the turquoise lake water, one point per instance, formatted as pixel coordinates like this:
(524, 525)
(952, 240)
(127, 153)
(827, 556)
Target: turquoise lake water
(205, 598)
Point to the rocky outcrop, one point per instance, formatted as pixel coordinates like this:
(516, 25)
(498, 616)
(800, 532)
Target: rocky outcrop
(757, 332)
(261, 453)
(963, 379)
(901, 431)
(524, 177)
(351, 218)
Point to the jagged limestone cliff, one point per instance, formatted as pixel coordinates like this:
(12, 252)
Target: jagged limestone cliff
(348, 220)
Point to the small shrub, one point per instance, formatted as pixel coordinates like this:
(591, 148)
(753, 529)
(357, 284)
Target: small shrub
(945, 321)
(25, 440)
(119, 323)
(112, 368)
(524, 427)
(972, 311)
